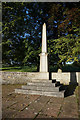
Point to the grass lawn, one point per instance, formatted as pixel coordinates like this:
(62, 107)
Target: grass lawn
(67, 68)
(20, 69)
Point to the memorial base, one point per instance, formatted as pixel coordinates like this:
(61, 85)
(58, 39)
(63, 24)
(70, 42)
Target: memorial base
(43, 62)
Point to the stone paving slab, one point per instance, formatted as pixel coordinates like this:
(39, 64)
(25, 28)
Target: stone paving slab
(26, 114)
(36, 106)
(8, 104)
(55, 100)
(9, 113)
(43, 116)
(70, 109)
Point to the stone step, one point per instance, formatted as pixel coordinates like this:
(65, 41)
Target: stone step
(43, 88)
(39, 80)
(37, 92)
(42, 84)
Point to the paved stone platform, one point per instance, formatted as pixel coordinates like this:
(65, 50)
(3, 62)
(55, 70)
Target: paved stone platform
(35, 106)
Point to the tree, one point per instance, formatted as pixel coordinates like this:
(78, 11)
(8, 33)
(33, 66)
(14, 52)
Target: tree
(67, 42)
(22, 26)
(12, 43)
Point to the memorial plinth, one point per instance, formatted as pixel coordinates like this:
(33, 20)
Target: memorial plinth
(41, 85)
(44, 54)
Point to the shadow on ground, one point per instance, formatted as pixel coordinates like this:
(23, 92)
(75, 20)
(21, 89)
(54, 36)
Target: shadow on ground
(72, 85)
(69, 89)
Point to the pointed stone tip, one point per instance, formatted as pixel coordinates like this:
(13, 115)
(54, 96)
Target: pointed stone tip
(44, 24)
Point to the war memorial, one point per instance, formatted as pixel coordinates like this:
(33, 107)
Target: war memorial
(40, 97)
(42, 85)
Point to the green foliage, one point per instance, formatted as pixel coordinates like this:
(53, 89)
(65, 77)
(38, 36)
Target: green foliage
(18, 48)
(21, 32)
(66, 68)
(67, 48)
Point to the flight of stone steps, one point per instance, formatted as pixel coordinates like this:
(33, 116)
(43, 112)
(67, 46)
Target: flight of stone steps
(42, 87)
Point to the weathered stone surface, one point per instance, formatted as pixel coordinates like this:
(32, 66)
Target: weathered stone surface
(24, 77)
(36, 92)
(55, 100)
(69, 109)
(43, 88)
(43, 62)
(51, 110)
(44, 55)
(38, 75)
(25, 114)
(62, 77)
(42, 117)
(41, 80)
(9, 113)
(66, 77)
(44, 39)
(78, 78)
(50, 107)
(42, 84)
(59, 71)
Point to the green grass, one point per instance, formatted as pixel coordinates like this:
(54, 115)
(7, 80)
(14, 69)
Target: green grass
(67, 68)
(20, 69)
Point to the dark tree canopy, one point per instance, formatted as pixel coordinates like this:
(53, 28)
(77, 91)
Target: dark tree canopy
(22, 27)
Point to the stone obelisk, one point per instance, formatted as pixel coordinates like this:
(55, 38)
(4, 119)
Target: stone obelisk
(44, 54)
